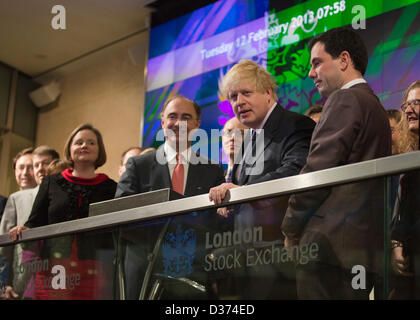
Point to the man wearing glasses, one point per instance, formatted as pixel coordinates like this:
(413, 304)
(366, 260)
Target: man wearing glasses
(174, 165)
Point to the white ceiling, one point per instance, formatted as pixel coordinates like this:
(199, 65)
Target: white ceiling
(30, 44)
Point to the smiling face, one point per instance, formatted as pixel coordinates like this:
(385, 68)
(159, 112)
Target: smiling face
(24, 172)
(411, 112)
(249, 105)
(84, 147)
(325, 70)
(179, 120)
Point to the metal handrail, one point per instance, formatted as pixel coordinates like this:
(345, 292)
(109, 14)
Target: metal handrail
(315, 180)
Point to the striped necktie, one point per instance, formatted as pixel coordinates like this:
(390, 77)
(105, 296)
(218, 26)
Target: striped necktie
(228, 177)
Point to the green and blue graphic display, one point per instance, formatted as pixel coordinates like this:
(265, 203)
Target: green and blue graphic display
(191, 54)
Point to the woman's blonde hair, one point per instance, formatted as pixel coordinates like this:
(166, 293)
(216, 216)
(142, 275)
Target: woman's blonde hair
(408, 140)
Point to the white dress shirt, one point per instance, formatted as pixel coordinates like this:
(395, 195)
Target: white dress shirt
(353, 82)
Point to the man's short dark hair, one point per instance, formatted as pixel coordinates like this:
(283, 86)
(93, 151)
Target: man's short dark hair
(21, 154)
(46, 151)
(180, 96)
(344, 39)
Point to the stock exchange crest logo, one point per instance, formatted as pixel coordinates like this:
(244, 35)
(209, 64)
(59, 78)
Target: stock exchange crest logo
(179, 252)
(4, 273)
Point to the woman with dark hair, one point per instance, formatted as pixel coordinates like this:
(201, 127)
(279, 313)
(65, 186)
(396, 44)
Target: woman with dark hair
(405, 235)
(66, 196)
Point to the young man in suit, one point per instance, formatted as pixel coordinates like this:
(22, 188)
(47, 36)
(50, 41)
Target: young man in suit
(174, 165)
(346, 221)
(16, 213)
(281, 139)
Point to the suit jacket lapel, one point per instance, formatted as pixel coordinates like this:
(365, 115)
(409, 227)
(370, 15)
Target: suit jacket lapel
(194, 180)
(270, 128)
(241, 152)
(161, 171)
(234, 169)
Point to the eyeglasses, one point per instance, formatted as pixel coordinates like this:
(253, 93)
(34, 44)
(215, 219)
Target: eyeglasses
(411, 104)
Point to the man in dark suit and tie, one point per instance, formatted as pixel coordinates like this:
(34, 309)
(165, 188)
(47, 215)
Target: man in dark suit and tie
(174, 165)
(279, 146)
(346, 221)
(282, 137)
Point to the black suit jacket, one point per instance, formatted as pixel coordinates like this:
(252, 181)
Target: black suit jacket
(287, 137)
(59, 200)
(145, 173)
(282, 153)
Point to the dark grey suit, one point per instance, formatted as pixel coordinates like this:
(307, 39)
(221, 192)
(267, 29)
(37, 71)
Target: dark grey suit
(283, 153)
(144, 173)
(345, 221)
(287, 137)
(16, 213)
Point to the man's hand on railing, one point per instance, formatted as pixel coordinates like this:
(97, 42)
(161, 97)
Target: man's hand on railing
(9, 294)
(218, 194)
(225, 211)
(15, 232)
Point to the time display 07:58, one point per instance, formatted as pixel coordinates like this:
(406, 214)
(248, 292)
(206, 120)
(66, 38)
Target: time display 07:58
(322, 12)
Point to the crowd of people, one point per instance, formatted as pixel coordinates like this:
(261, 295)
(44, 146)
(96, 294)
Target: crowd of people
(345, 222)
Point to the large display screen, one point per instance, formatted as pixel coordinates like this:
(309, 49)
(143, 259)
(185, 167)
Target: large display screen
(190, 55)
